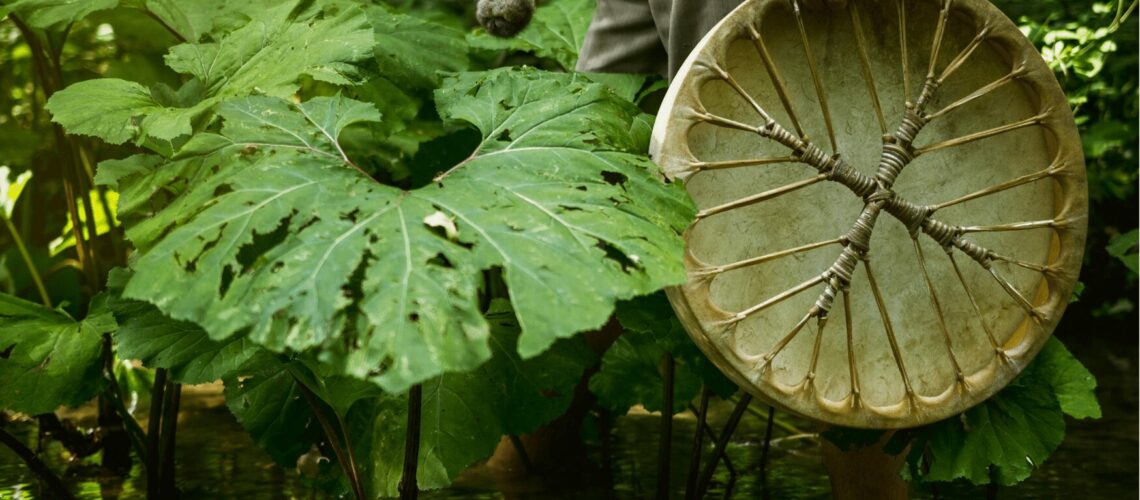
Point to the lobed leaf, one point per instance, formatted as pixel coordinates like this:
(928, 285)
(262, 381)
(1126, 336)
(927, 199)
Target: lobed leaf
(48, 359)
(276, 47)
(266, 230)
(267, 55)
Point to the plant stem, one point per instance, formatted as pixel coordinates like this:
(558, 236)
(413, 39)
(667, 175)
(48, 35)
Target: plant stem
(27, 260)
(409, 489)
(722, 444)
(343, 456)
(520, 448)
(779, 423)
(165, 25)
(726, 459)
(113, 418)
(173, 399)
(698, 444)
(154, 426)
(665, 435)
(767, 440)
(59, 490)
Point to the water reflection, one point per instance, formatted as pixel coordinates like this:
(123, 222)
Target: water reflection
(217, 460)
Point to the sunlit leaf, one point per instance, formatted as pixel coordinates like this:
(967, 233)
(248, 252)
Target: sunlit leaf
(10, 189)
(272, 231)
(103, 225)
(281, 43)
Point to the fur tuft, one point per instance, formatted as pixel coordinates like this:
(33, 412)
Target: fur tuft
(504, 18)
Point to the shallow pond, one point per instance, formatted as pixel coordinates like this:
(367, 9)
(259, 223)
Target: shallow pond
(217, 460)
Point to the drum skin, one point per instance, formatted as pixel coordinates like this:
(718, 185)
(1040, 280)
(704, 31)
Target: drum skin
(875, 248)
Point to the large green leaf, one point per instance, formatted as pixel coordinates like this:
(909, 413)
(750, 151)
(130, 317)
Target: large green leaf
(1072, 384)
(465, 415)
(266, 228)
(556, 32)
(414, 51)
(1007, 436)
(48, 359)
(181, 347)
(1004, 439)
(54, 13)
(267, 55)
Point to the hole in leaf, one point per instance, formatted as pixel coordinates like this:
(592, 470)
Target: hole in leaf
(581, 188)
(227, 279)
(440, 260)
(354, 290)
(613, 253)
(414, 317)
(7, 353)
(222, 190)
(384, 366)
(505, 136)
(614, 178)
(306, 225)
(570, 208)
(250, 253)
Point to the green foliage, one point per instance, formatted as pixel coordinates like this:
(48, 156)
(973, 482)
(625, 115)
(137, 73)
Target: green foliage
(631, 368)
(417, 254)
(183, 348)
(267, 56)
(10, 190)
(415, 51)
(464, 415)
(48, 359)
(54, 13)
(1007, 437)
(1123, 247)
(102, 217)
(267, 401)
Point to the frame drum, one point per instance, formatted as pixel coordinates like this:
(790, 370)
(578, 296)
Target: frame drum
(892, 204)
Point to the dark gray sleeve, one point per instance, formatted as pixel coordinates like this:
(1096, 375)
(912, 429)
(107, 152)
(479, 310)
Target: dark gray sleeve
(623, 38)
